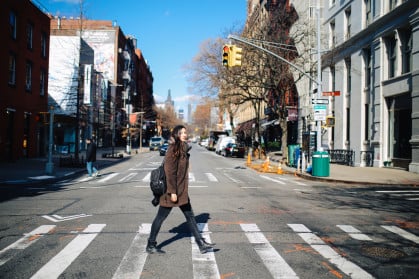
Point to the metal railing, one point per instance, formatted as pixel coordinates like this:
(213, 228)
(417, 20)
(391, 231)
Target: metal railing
(342, 156)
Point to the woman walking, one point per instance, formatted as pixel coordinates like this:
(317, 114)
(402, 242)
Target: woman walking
(176, 167)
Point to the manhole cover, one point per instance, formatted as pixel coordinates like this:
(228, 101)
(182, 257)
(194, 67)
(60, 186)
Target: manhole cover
(382, 252)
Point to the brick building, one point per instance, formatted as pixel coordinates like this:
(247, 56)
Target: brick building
(24, 79)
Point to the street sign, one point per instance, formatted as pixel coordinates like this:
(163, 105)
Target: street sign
(331, 93)
(319, 112)
(320, 101)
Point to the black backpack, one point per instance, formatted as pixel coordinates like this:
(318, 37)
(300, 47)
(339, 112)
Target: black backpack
(158, 183)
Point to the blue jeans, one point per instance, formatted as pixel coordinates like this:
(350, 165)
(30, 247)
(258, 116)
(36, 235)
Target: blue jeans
(90, 168)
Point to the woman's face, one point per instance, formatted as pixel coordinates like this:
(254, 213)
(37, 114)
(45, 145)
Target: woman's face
(183, 136)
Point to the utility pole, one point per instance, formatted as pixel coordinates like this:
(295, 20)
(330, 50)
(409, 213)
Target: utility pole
(317, 81)
(319, 78)
(49, 168)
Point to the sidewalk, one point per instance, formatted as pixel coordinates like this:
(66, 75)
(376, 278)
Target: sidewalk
(33, 171)
(356, 175)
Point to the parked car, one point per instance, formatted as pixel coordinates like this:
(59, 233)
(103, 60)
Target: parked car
(203, 143)
(155, 143)
(163, 149)
(222, 143)
(233, 150)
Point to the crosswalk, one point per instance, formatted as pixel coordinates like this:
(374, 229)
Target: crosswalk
(143, 175)
(131, 265)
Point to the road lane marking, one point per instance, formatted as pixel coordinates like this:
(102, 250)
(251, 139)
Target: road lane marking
(211, 177)
(24, 242)
(203, 265)
(128, 177)
(62, 260)
(348, 267)
(192, 177)
(353, 232)
(134, 259)
(108, 177)
(271, 179)
(402, 233)
(276, 265)
(147, 177)
(57, 218)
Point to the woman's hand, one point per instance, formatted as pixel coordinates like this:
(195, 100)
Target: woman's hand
(173, 197)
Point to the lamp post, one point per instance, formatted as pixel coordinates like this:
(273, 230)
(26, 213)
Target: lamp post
(49, 168)
(129, 127)
(141, 130)
(113, 95)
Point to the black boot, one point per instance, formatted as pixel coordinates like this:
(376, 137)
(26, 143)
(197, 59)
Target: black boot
(152, 248)
(204, 246)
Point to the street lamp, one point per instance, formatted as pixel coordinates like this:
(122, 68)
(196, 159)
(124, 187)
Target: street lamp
(113, 94)
(49, 168)
(141, 130)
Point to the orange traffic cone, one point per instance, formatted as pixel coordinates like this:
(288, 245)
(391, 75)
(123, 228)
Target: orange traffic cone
(279, 170)
(266, 164)
(249, 159)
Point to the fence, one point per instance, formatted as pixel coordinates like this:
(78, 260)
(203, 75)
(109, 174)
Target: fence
(342, 156)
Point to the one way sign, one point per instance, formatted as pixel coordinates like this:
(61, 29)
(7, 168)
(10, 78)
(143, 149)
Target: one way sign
(320, 101)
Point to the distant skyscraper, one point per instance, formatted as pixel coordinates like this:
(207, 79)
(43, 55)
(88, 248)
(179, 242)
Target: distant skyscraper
(189, 119)
(181, 114)
(169, 101)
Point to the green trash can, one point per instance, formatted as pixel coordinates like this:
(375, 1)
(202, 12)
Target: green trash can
(320, 164)
(292, 162)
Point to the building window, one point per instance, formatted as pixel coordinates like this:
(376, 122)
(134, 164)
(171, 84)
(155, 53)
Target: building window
(367, 67)
(407, 45)
(348, 23)
(332, 34)
(368, 12)
(28, 80)
(392, 56)
(12, 69)
(42, 80)
(43, 45)
(13, 23)
(348, 75)
(29, 36)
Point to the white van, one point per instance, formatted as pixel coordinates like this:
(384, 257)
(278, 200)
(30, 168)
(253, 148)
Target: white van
(222, 143)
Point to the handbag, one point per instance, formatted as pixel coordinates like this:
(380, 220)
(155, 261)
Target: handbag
(158, 183)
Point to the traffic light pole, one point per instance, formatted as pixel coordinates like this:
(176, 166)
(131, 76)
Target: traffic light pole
(318, 81)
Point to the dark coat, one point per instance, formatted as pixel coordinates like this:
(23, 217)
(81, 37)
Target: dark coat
(177, 176)
(91, 152)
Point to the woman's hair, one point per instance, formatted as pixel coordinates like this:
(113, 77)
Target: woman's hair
(176, 138)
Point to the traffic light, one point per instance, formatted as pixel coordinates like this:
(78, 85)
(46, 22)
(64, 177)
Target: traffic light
(236, 56)
(226, 56)
(330, 121)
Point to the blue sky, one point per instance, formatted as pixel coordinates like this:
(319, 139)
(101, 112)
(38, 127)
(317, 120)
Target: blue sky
(169, 32)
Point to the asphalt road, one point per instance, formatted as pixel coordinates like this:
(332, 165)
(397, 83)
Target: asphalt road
(265, 226)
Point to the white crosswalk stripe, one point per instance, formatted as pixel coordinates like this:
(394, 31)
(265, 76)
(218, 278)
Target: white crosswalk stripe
(62, 260)
(204, 266)
(326, 251)
(411, 195)
(143, 175)
(353, 232)
(24, 242)
(277, 266)
(133, 262)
